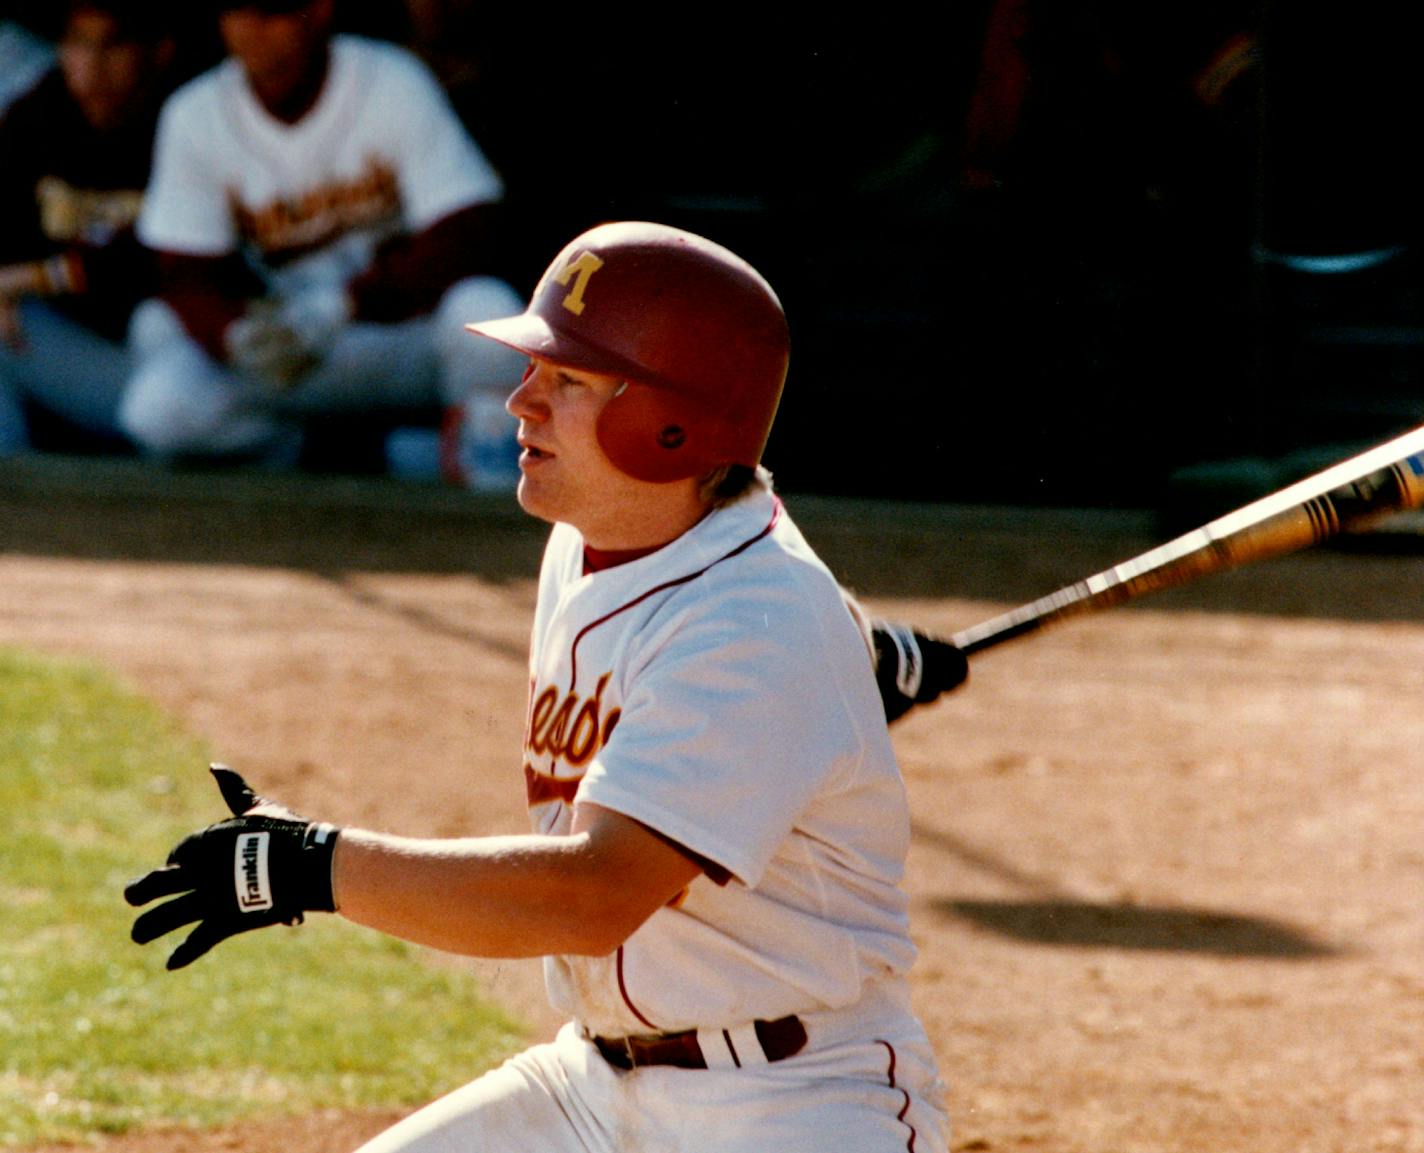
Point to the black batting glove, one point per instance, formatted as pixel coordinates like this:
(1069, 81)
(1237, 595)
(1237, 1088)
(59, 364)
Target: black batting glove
(912, 668)
(264, 866)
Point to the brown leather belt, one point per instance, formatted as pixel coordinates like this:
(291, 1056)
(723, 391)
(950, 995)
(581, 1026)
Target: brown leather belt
(779, 1039)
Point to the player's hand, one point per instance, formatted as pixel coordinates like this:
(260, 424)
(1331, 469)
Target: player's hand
(913, 668)
(260, 345)
(281, 341)
(264, 866)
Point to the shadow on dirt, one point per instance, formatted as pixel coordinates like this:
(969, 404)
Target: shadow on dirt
(1048, 916)
(424, 620)
(1003, 556)
(127, 510)
(1138, 928)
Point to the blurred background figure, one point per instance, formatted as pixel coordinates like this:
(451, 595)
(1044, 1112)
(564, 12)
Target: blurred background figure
(326, 226)
(77, 148)
(24, 55)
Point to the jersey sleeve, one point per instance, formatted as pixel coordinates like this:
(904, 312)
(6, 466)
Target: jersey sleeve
(734, 722)
(442, 169)
(186, 209)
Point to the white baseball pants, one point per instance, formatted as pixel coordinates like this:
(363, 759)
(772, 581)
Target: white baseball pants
(868, 1093)
(67, 367)
(179, 400)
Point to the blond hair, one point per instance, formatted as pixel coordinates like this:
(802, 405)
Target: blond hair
(728, 483)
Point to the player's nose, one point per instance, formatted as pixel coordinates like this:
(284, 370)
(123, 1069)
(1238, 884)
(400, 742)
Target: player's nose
(527, 401)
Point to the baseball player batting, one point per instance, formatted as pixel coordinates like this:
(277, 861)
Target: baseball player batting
(719, 823)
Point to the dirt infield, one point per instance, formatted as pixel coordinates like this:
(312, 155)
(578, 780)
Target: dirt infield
(1168, 873)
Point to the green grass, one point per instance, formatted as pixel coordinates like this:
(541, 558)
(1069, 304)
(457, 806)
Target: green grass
(96, 785)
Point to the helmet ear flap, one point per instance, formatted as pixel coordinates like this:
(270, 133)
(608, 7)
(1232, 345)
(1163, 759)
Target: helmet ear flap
(655, 435)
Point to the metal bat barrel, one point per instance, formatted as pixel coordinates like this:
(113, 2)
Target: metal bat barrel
(1347, 496)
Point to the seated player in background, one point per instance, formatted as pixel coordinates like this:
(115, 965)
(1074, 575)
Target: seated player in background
(719, 822)
(325, 225)
(76, 153)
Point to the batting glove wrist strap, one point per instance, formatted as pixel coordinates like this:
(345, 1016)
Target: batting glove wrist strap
(264, 866)
(912, 668)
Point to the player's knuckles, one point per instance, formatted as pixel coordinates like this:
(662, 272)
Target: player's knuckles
(266, 808)
(189, 851)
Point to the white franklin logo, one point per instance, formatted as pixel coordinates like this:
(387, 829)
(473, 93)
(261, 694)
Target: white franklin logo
(251, 877)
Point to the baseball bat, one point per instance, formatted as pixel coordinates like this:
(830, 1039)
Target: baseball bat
(1342, 498)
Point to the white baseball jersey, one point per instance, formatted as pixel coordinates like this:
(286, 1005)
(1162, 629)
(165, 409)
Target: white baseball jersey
(381, 151)
(719, 692)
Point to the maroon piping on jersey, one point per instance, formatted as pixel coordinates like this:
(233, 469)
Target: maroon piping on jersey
(682, 580)
(904, 1109)
(627, 1000)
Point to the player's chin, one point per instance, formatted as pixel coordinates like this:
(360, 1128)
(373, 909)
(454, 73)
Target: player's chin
(533, 499)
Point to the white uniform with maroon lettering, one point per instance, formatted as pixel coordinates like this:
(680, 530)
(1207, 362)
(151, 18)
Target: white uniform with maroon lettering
(381, 153)
(719, 692)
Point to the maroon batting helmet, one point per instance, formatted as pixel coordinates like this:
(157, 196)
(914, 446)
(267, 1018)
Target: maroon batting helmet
(696, 333)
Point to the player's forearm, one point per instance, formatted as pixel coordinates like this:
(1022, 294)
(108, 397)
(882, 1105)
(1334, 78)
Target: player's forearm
(208, 294)
(409, 274)
(584, 892)
(520, 896)
(54, 276)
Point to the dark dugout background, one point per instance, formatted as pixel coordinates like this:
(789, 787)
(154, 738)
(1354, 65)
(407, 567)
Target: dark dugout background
(1044, 251)
(1031, 249)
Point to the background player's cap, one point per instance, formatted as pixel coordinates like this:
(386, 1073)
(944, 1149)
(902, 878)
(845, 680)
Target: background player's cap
(694, 329)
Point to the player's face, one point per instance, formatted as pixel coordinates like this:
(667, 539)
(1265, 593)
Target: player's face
(282, 53)
(107, 74)
(565, 476)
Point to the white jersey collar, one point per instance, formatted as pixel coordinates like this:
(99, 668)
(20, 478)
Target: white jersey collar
(720, 533)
